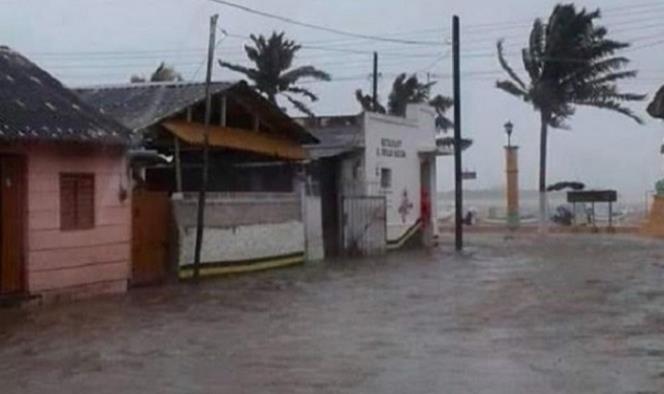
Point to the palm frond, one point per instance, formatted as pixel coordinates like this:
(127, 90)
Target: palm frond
(506, 66)
(612, 77)
(443, 123)
(294, 75)
(442, 103)
(612, 105)
(511, 88)
(249, 72)
(300, 106)
(305, 92)
(532, 56)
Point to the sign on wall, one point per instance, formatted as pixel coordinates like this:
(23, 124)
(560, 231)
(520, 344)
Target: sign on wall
(390, 147)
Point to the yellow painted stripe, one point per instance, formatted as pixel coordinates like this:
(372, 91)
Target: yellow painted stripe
(238, 269)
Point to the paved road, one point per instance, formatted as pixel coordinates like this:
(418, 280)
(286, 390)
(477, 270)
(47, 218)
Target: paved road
(570, 315)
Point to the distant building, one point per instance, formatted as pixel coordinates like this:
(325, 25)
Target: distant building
(65, 208)
(255, 215)
(377, 179)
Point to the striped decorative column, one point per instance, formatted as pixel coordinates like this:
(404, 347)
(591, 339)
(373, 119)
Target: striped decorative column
(512, 170)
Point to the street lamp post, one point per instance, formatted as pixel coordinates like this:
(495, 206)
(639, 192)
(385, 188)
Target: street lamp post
(512, 171)
(509, 127)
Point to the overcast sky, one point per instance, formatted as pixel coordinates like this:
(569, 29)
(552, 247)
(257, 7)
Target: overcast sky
(85, 42)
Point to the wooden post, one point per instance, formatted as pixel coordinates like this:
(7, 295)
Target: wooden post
(178, 158)
(257, 123)
(222, 121)
(374, 98)
(178, 165)
(206, 154)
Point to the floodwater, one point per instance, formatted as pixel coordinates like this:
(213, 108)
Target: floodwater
(574, 314)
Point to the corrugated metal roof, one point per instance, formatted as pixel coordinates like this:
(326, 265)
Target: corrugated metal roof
(141, 105)
(336, 140)
(36, 106)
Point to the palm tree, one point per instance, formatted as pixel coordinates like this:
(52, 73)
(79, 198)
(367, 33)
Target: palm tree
(163, 73)
(367, 102)
(570, 62)
(273, 74)
(408, 90)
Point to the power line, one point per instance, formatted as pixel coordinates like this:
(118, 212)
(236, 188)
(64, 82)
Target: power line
(320, 27)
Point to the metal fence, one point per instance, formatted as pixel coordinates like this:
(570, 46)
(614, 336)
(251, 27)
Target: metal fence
(364, 225)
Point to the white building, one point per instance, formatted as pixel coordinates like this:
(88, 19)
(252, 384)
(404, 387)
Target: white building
(377, 179)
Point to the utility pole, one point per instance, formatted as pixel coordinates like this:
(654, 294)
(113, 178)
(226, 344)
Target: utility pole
(206, 150)
(458, 181)
(375, 81)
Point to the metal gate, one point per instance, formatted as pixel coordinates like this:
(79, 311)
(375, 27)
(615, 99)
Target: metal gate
(364, 230)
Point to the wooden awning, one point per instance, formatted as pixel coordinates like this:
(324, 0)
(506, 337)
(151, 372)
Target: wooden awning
(238, 139)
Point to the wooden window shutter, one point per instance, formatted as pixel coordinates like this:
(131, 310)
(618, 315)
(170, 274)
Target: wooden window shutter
(77, 201)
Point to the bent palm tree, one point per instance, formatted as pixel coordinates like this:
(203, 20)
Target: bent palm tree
(273, 75)
(570, 62)
(408, 90)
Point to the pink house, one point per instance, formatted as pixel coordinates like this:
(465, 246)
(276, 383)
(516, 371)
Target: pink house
(65, 210)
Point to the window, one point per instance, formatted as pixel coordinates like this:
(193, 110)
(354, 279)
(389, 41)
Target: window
(385, 178)
(77, 201)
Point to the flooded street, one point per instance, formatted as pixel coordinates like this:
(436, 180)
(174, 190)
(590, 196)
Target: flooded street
(574, 314)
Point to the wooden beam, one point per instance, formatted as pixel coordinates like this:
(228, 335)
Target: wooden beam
(223, 119)
(178, 165)
(178, 160)
(257, 123)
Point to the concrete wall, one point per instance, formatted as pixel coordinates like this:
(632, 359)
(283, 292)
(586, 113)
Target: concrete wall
(314, 229)
(396, 143)
(243, 243)
(241, 227)
(82, 261)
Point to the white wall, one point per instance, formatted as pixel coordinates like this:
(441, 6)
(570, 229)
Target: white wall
(315, 250)
(395, 143)
(241, 243)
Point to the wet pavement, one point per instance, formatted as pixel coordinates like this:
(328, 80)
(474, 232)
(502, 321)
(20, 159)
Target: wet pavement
(574, 314)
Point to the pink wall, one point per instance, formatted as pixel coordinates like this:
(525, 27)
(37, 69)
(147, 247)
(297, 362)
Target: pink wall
(61, 261)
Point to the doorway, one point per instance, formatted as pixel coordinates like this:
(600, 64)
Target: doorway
(151, 233)
(329, 196)
(12, 220)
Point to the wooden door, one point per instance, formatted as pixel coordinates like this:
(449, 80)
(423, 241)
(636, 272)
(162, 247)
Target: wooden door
(151, 233)
(12, 218)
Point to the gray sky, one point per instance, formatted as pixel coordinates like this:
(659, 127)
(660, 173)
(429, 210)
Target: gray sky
(105, 41)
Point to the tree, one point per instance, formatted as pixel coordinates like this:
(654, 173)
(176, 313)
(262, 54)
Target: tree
(408, 90)
(273, 74)
(163, 73)
(570, 63)
(367, 102)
